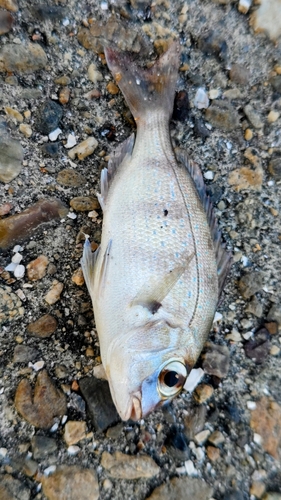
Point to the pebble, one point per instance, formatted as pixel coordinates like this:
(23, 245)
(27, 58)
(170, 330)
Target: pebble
(70, 178)
(24, 354)
(84, 203)
(74, 431)
(276, 82)
(43, 327)
(248, 134)
(13, 489)
(5, 209)
(122, 466)
(213, 453)
(21, 226)
(54, 293)
(43, 446)
(193, 379)
(272, 495)
(99, 372)
(54, 134)
(84, 149)
(201, 100)
(255, 307)
(222, 115)
(257, 489)
(202, 436)
(244, 6)
(11, 5)
(64, 95)
(239, 74)
(274, 313)
(78, 277)
(274, 168)
(216, 360)
(214, 94)
(177, 445)
(36, 269)
(19, 271)
(112, 88)
(37, 366)
(71, 482)
(48, 401)
(209, 175)
(271, 327)
(246, 178)
(177, 488)
(14, 113)
(250, 283)
(203, 393)
(11, 156)
(273, 116)
(10, 305)
(257, 348)
(190, 469)
(267, 18)
(216, 438)
(181, 106)
(63, 80)
(253, 116)
(266, 421)
(48, 117)
(195, 420)
(22, 58)
(93, 74)
(26, 130)
(100, 406)
(71, 141)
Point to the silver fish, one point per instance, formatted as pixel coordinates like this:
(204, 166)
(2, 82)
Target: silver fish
(156, 277)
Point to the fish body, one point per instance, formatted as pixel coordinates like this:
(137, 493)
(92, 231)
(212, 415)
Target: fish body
(154, 280)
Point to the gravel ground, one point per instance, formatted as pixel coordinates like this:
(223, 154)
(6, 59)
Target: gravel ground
(60, 437)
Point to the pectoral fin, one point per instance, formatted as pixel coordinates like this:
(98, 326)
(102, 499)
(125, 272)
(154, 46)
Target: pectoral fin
(88, 262)
(153, 293)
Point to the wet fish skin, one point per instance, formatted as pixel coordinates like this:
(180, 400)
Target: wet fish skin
(154, 282)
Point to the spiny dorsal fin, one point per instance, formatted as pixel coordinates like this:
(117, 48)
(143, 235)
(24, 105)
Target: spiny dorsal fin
(116, 158)
(223, 257)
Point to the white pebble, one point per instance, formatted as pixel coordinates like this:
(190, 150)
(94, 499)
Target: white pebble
(181, 470)
(17, 248)
(251, 405)
(201, 100)
(218, 317)
(20, 294)
(37, 366)
(209, 175)
(193, 379)
(257, 439)
(199, 453)
(17, 258)
(64, 419)
(245, 260)
(214, 93)
(104, 6)
(190, 469)
(19, 272)
(3, 452)
(11, 267)
(54, 134)
(71, 141)
(73, 450)
(65, 22)
(71, 215)
(50, 470)
(244, 6)
(55, 427)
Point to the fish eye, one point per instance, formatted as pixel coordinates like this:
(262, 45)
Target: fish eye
(171, 379)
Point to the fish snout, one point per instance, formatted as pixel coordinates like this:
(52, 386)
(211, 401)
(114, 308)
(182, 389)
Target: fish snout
(136, 410)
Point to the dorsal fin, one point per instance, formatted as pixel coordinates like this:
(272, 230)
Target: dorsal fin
(223, 257)
(116, 158)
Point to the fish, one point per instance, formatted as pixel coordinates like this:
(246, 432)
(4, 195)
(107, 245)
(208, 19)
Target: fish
(156, 277)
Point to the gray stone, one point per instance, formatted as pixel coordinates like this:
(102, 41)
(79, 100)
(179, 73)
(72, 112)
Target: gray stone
(11, 156)
(72, 483)
(222, 115)
(253, 117)
(181, 488)
(250, 283)
(22, 58)
(49, 116)
(275, 313)
(24, 354)
(216, 360)
(100, 406)
(13, 489)
(43, 446)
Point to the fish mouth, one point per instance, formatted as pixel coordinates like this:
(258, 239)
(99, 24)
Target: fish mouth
(134, 409)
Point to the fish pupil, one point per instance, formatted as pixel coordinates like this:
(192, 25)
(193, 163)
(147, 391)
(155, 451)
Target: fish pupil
(171, 378)
(165, 212)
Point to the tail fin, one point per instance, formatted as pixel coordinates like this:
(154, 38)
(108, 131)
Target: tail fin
(146, 89)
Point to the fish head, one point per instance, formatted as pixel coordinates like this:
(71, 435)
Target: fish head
(147, 369)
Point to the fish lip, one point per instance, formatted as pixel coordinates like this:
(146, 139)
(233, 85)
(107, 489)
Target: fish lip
(134, 409)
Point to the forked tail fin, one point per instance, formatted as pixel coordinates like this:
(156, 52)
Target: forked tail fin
(146, 90)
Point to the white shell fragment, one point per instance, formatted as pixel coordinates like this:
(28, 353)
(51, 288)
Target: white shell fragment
(244, 6)
(193, 379)
(11, 267)
(19, 271)
(71, 141)
(54, 135)
(201, 100)
(17, 258)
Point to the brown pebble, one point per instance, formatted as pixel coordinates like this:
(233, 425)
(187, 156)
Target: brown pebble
(112, 88)
(36, 269)
(19, 227)
(54, 293)
(71, 482)
(48, 401)
(63, 80)
(213, 453)
(43, 327)
(9, 5)
(74, 431)
(90, 352)
(5, 209)
(93, 94)
(246, 178)
(6, 22)
(70, 178)
(75, 385)
(78, 277)
(248, 134)
(266, 421)
(271, 327)
(122, 466)
(64, 95)
(257, 489)
(84, 203)
(203, 392)
(23, 58)
(239, 74)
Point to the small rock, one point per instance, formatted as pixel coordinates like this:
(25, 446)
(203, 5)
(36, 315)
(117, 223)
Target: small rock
(100, 406)
(216, 360)
(18, 227)
(273, 116)
(14, 113)
(246, 178)
(250, 283)
(70, 178)
(276, 83)
(48, 401)
(122, 466)
(258, 347)
(274, 168)
(50, 149)
(99, 372)
(6, 22)
(13, 489)
(71, 141)
(84, 203)
(24, 354)
(84, 149)
(9, 5)
(239, 74)
(255, 307)
(115, 432)
(22, 58)
(74, 431)
(43, 327)
(201, 437)
(49, 116)
(43, 446)
(272, 495)
(177, 488)
(216, 438)
(177, 445)
(209, 175)
(64, 95)
(267, 18)
(5, 209)
(253, 116)
(222, 115)
(181, 106)
(93, 74)
(203, 393)
(36, 269)
(71, 482)
(275, 313)
(19, 271)
(244, 6)
(63, 80)
(213, 453)
(195, 421)
(26, 130)
(11, 156)
(257, 489)
(54, 134)
(266, 421)
(78, 277)
(272, 327)
(193, 379)
(248, 134)
(54, 293)
(10, 305)
(214, 94)
(112, 88)
(201, 100)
